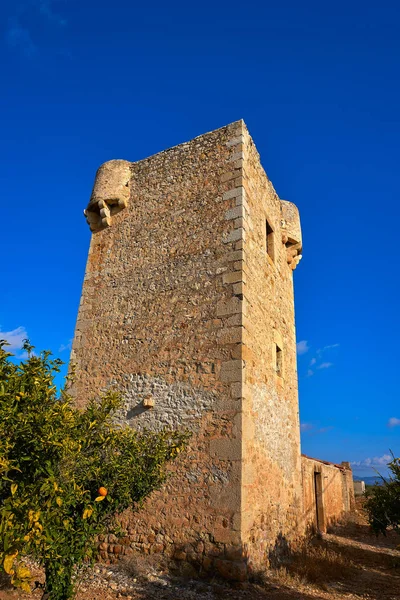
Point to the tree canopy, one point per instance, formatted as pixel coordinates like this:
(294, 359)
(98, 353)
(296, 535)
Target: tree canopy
(66, 472)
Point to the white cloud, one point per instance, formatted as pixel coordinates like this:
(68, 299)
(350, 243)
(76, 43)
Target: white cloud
(325, 365)
(313, 361)
(302, 347)
(376, 461)
(310, 373)
(15, 338)
(393, 422)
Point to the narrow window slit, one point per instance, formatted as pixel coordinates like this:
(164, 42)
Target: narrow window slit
(278, 360)
(269, 239)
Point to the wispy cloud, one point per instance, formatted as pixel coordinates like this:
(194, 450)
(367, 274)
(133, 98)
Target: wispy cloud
(302, 347)
(313, 429)
(18, 32)
(393, 422)
(376, 461)
(64, 347)
(317, 361)
(329, 347)
(19, 38)
(46, 9)
(325, 429)
(306, 426)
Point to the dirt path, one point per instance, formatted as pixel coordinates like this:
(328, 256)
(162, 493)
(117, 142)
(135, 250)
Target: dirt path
(348, 563)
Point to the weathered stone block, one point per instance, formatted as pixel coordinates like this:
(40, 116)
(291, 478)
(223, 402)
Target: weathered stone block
(234, 235)
(234, 193)
(235, 141)
(235, 256)
(234, 277)
(232, 306)
(235, 213)
(229, 176)
(236, 157)
(226, 449)
(232, 370)
(239, 288)
(233, 571)
(231, 335)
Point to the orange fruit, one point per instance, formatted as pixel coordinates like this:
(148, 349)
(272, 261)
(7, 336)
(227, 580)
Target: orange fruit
(102, 491)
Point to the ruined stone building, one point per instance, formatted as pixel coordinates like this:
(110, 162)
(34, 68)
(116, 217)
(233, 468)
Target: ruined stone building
(188, 308)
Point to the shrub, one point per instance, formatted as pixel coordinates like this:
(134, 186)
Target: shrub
(54, 460)
(383, 501)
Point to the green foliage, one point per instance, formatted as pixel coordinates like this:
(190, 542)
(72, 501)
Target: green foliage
(53, 460)
(383, 501)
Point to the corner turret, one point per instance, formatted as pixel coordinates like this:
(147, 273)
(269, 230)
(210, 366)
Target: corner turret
(291, 232)
(110, 194)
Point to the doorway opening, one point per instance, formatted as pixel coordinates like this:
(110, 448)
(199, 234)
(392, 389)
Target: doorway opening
(319, 508)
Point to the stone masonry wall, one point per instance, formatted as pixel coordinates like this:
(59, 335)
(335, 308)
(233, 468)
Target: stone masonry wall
(187, 307)
(158, 320)
(335, 496)
(271, 476)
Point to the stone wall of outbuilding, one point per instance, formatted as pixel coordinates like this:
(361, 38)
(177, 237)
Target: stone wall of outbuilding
(327, 492)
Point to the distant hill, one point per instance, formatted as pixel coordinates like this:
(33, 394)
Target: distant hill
(375, 479)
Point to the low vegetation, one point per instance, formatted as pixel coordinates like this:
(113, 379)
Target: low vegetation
(383, 501)
(65, 473)
(314, 563)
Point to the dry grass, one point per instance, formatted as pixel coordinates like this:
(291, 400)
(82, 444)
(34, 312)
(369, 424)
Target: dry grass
(314, 564)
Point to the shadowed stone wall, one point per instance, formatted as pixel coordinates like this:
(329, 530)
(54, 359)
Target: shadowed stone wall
(271, 477)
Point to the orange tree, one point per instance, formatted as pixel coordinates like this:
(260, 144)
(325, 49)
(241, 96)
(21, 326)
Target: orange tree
(383, 501)
(65, 473)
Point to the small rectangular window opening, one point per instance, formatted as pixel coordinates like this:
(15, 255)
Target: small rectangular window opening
(278, 360)
(269, 239)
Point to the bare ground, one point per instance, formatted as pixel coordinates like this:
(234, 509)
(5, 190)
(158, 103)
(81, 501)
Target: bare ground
(348, 563)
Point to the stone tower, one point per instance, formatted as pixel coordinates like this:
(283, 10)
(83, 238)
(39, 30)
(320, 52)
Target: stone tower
(188, 307)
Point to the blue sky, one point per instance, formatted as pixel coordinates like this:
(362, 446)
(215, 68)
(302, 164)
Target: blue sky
(318, 86)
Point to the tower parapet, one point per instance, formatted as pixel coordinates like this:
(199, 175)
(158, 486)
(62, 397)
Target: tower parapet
(291, 232)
